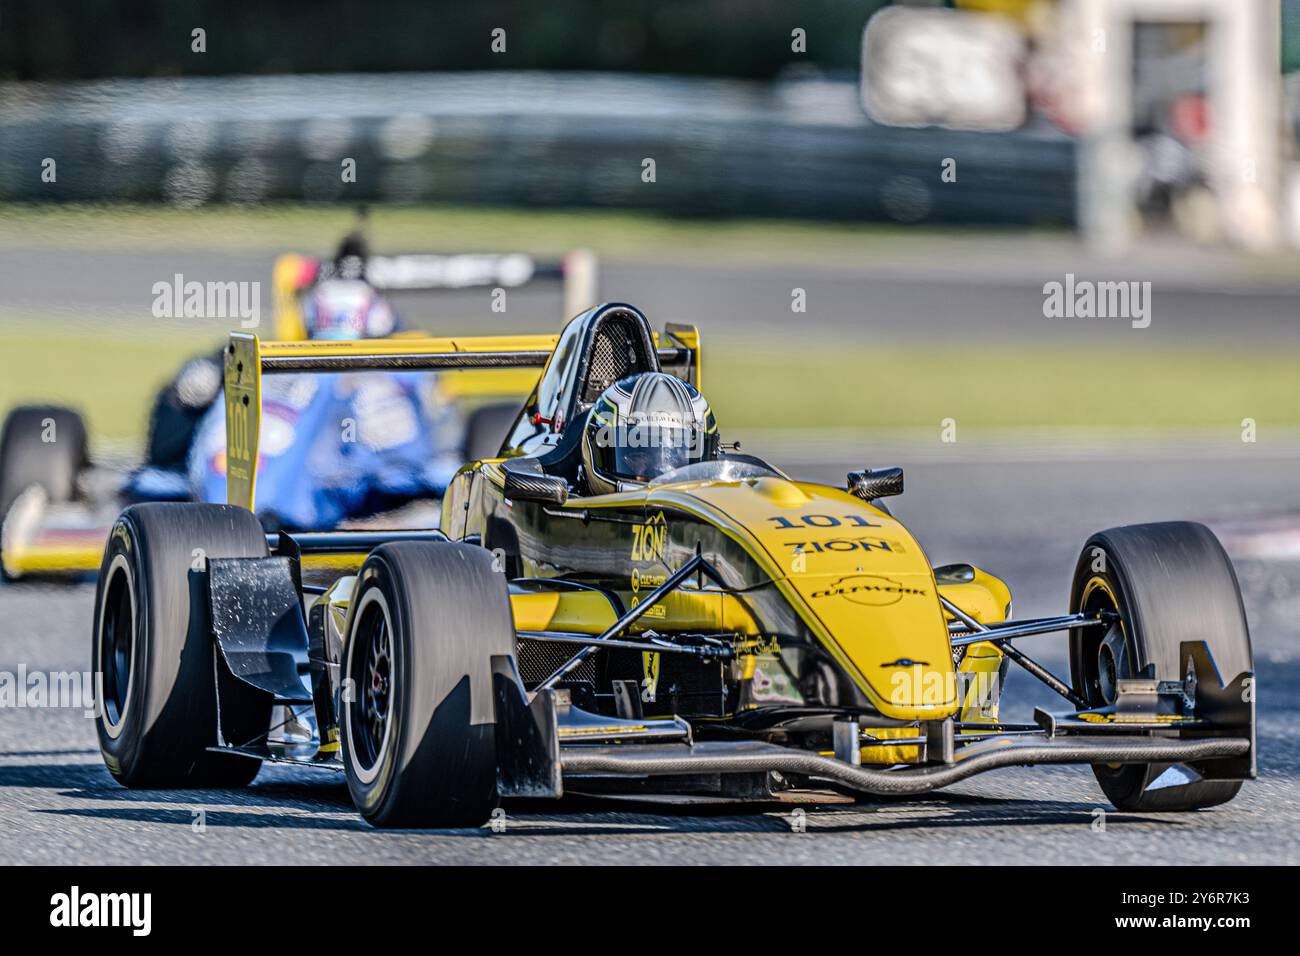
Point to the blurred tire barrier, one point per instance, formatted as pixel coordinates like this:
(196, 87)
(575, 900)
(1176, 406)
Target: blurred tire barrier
(720, 148)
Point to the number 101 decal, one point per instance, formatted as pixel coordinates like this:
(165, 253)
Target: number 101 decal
(820, 521)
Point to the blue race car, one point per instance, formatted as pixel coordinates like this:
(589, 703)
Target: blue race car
(368, 443)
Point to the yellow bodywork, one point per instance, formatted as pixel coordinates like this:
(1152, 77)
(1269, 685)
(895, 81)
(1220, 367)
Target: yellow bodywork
(243, 397)
(287, 286)
(861, 581)
(55, 553)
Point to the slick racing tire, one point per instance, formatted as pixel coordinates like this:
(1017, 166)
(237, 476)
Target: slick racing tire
(41, 445)
(1170, 582)
(153, 647)
(487, 430)
(418, 729)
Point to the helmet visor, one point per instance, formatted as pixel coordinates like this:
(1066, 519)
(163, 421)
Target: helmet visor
(643, 452)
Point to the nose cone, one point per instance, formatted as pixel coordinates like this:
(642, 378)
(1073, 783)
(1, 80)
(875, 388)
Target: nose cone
(888, 623)
(864, 585)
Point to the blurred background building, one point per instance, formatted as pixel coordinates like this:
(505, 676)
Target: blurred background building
(1115, 115)
(874, 175)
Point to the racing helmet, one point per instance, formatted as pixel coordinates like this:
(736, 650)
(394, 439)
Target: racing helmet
(351, 257)
(644, 426)
(342, 309)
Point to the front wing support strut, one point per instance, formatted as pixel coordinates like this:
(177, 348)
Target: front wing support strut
(1015, 654)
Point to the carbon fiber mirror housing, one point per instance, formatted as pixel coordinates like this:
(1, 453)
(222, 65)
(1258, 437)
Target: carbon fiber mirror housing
(523, 483)
(875, 483)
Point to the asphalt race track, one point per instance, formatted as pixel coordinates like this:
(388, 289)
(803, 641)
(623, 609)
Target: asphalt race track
(1023, 521)
(997, 298)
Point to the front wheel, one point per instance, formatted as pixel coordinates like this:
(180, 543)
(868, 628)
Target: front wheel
(419, 734)
(1169, 582)
(41, 445)
(42, 454)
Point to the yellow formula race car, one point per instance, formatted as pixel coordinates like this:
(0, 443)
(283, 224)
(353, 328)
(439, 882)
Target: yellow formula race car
(621, 603)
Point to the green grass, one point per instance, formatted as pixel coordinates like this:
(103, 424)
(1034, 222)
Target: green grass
(796, 380)
(111, 370)
(831, 384)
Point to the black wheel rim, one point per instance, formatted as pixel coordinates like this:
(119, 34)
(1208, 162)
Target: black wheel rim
(1106, 657)
(372, 675)
(116, 646)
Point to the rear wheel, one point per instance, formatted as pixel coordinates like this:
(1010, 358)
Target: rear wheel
(418, 729)
(1169, 582)
(154, 649)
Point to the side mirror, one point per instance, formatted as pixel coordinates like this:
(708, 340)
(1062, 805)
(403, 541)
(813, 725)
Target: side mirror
(535, 486)
(875, 483)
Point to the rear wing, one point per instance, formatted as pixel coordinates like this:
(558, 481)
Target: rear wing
(247, 359)
(294, 274)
